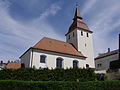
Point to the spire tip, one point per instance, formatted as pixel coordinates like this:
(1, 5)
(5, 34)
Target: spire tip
(76, 4)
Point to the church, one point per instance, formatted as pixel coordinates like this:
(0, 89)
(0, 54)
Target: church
(77, 51)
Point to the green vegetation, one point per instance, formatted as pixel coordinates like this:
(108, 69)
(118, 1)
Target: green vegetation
(115, 64)
(46, 79)
(29, 74)
(98, 77)
(59, 85)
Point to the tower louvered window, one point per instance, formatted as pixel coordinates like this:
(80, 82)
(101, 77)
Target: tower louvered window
(81, 33)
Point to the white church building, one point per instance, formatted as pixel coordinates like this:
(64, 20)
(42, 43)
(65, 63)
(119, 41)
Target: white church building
(77, 51)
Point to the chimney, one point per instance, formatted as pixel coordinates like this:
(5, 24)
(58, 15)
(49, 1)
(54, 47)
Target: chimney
(108, 50)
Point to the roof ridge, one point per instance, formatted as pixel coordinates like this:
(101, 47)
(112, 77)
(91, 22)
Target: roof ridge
(107, 54)
(54, 39)
(111, 51)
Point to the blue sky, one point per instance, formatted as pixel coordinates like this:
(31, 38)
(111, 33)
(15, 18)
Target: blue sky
(24, 22)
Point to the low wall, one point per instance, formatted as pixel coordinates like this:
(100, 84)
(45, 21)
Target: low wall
(101, 71)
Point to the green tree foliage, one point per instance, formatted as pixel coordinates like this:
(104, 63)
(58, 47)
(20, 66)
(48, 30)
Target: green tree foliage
(115, 64)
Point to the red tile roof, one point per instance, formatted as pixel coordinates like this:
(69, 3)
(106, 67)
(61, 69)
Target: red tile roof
(78, 23)
(57, 46)
(13, 65)
(107, 54)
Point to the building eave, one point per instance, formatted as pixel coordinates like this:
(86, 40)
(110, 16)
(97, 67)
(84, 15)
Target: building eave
(49, 51)
(25, 52)
(109, 54)
(80, 28)
(58, 52)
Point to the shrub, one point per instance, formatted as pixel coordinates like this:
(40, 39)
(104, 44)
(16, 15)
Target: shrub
(98, 77)
(50, 85)
(29, 74)
(115, 64)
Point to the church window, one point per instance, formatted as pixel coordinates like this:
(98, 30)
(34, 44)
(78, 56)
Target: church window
(59, 63)
(42, 59)
(81, 33)
(69, 36)
(75, 64)
(87, 35)
(87, 65)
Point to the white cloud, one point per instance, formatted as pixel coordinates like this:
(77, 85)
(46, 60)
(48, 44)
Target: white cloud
(51, 11)
(103, 22)
(88, 5)
(16, 37)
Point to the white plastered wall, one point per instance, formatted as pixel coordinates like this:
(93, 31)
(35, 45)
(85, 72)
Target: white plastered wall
(51, 60)
(72, 39)
(26, 58)
(85, 45)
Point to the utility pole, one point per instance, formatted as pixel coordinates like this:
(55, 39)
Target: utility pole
(119, 47)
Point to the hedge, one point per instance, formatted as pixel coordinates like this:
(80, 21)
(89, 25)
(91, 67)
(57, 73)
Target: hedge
(29, 74)
(50, 85)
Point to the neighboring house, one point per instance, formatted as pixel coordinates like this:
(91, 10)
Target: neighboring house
(13, 65)
(102, 62)
(77, 51)
(2, 65)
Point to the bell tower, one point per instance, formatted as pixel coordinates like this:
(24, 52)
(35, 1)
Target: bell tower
(80, 36)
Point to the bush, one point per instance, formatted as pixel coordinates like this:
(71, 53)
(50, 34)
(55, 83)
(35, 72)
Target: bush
(50, 85)
(98, 77)
(115, 64)
(29, 74)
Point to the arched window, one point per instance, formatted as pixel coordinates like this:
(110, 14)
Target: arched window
(87, 65)
(42, 58)
(59, 63)
(75, 64)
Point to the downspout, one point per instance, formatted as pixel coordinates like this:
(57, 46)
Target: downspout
(31, 57)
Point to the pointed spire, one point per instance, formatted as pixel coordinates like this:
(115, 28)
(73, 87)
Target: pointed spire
(77, 14)
(78, 22)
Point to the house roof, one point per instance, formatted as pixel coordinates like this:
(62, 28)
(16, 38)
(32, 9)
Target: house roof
(78, 23)
(57, 46)
(107, 54)
(13, 65)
